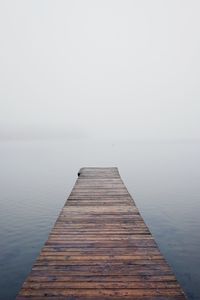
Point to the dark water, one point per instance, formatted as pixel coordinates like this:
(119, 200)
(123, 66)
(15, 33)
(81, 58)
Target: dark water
(37, 176)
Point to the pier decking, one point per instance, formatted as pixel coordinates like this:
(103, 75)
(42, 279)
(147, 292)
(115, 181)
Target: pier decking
(100, 248)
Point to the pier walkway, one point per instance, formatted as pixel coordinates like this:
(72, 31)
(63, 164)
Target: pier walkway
(100, 248)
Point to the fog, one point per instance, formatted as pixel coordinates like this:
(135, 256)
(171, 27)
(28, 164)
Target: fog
(100, 69)
(107, 83)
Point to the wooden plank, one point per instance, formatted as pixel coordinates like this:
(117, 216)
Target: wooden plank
(120, 293)
(101, 285)
(100, 248)
(88, 297)
(99, 278)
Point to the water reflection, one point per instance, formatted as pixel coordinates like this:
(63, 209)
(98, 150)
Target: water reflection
(37, 176)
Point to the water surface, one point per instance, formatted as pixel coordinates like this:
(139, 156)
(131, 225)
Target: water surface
(37, 176)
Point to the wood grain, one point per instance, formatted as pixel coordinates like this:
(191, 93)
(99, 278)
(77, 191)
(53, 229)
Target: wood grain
(100, 248)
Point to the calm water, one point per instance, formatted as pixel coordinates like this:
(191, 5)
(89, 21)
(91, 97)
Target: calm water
(37, 176)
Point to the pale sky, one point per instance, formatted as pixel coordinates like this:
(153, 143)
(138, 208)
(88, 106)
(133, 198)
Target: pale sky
(104, 69)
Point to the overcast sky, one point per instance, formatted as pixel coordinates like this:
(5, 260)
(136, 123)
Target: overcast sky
(114, 69)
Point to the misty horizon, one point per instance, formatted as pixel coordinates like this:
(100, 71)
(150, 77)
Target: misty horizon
(107, 83)
(118, 70)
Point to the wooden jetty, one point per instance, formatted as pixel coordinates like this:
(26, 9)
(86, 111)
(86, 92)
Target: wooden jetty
(100, 248)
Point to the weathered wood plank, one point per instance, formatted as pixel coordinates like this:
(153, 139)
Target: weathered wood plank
(101, 285)
(101, 292)
(100, 248)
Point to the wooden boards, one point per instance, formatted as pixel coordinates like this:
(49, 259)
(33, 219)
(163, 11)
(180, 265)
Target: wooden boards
(100, 248)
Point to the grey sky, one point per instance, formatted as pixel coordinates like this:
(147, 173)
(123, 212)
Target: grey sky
(120, 69)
